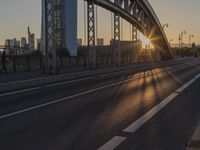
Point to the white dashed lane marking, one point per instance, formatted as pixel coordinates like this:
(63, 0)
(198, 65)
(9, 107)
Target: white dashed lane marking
(116, 141)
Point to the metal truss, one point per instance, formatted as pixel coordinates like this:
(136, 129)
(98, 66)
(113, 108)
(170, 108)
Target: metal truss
(51, 53)
(134, 33)
(138, 12)
(116, 27)
(117, 45)
(91, 34)
(59, 23)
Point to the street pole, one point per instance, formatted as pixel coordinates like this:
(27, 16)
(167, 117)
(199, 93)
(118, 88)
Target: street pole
(170, 41)
(165, 25)
(190, 37)
(183, 32)
(179, 39)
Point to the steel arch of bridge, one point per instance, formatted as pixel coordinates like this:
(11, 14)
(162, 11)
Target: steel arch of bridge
(137, 12)
(142, 16)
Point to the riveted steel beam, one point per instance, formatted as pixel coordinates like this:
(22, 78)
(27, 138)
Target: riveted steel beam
(134, 33)
(91, 34)
(49, 37)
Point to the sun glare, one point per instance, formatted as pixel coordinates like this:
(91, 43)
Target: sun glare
(145, 41)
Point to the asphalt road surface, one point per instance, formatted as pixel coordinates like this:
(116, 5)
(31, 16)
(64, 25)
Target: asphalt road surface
(156, 109)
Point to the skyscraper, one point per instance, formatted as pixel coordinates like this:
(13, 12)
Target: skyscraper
(31, 39)
(23, 42)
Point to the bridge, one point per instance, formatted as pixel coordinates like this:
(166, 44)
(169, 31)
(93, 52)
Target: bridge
(145, 106)
(56, 32)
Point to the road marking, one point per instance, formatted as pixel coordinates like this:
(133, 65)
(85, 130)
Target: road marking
(67, 82)
(39, 87)
(66, 98)
(118, 72)
(197, 76)
(113, 143)
(72, 81)
(142, 120)
(181, 89)
(21, 91)
(146, 117)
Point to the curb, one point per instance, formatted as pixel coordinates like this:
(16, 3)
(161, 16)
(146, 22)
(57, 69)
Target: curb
(194, 144)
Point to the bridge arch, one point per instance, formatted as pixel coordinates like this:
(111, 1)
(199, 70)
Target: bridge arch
(137, 12)
(140, 14)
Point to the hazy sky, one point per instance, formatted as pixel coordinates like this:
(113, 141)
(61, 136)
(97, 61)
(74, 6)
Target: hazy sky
(16, 15)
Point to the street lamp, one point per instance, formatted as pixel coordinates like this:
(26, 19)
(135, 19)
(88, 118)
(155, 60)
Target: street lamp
(165, 25)
(183, 32)
(179, 39)
(170, 41)
(190, 37)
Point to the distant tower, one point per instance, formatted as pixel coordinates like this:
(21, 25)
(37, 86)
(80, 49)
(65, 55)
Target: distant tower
(29, 37)
(23, 42)
(32, 42)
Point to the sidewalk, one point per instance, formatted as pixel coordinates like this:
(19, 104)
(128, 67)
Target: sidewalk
(194, 144)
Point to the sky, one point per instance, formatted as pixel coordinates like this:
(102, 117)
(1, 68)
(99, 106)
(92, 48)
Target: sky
(181, 15)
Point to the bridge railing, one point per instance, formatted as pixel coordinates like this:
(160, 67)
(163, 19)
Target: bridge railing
(68, 64)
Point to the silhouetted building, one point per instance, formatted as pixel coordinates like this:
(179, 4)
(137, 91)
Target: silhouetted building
(38, 44)
(31, 39)
(12, 43)
(23, 42)
(100, 42)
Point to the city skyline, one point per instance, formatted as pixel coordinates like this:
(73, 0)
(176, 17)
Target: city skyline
(178, 18)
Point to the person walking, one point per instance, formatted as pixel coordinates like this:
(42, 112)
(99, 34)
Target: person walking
(3, 62)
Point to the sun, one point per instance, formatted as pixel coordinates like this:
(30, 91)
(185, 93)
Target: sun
(145, 41)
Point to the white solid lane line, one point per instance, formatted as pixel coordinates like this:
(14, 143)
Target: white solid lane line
(68, 82)
(21, 91)
(73, 81)
(39, 87)
(117, 140)
(66, 98)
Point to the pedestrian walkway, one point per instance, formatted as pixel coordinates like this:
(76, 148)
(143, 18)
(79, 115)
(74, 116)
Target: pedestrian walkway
(194, 144)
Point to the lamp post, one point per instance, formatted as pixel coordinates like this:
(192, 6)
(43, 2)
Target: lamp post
(170, 41)
(183, 32)
(190, 37)
(179, 39)
(165, 25)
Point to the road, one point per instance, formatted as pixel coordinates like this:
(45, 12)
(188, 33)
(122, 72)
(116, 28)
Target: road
(129, 111)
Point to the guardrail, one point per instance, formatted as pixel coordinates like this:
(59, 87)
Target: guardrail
(34, 63)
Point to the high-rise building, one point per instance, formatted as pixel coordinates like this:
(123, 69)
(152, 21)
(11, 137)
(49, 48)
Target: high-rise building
(66, 25)
(31, 39)
(38, 44)
(12, 43)
(23, 42)
(32, 42)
